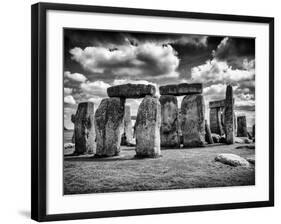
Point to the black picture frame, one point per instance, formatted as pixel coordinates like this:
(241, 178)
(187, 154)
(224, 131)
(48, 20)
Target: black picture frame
(38, 108)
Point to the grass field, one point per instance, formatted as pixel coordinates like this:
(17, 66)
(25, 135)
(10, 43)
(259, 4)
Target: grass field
(176, 169)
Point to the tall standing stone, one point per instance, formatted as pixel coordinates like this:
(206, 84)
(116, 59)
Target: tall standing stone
(193, 120)
(84, 129)
(128, 127)
(109, 125)
(147, 128)
(169, 121)
(229, 115)
(73, 121)
(216, 121)
(242, 126)
(208, 135)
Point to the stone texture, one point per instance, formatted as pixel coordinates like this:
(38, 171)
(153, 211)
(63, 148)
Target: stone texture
(216, 120)
(217, 103)
(147, 128)
(216, 138)
(229, 115)
(208, 135)
(109, 123)
(181, 89)
(73, 121)
(193, 120)
(169, 121)
(131, 91)
(242, 126)
(231, 159)
(127, 137)
(84, 129)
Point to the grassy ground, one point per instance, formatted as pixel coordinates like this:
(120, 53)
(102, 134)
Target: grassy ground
(176, 169)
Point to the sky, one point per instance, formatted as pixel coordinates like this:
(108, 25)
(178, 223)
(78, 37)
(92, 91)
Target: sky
(95, 60)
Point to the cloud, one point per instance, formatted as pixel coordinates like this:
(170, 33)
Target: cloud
(96, 88)
(69, 99)
(67, 91)
(214, 71)
(77, 77)
(235, 51)
(144, 60)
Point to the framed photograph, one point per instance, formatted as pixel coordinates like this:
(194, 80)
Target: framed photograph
(138, 111)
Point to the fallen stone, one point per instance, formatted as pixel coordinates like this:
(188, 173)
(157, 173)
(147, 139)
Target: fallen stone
(169, 121)
(181, 89)
(229, 115)
(68, 145)
(131, 91)
(193, 120)
(109, 126)
(217, 103)
(147, 128)
(208, 135)
(242, 126)
(216, 138)
(239, 140)
(251, 160)
(232, 160)
(84, 129)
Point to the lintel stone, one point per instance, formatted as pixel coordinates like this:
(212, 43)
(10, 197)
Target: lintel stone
(181, 89)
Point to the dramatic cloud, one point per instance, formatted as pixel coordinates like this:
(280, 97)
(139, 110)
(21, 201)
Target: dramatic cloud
(97, 88)
(235, 51)
(67, 91)
(144, 60)
(77, 77)
(69, 99)
(220, 72)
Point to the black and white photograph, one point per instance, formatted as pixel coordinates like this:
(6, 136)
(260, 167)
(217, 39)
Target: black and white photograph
(146, 111)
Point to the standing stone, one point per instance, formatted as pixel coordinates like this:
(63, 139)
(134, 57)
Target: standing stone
(127, 138)
(208, 135)
(235, 124)
(242, 127)
(84, 129)
(193, 120)
(109, 126)
(169, 121)
(216, 120)
(73, 121)
(147, 128)
(229, 115)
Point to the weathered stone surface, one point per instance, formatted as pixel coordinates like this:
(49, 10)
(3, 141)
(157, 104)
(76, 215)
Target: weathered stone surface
(68, 145)
(181, 89)
(193, 120)
(216, 138)
(147, 128)
(131, 91)
(84, 129)
(231, 159)
(216, 120)
(216, 104)
(239, 140)
(109, 125)
(242, 126)
(169, 121)
(208, 135)
(127, 137)
(73, 121)
(229, 115)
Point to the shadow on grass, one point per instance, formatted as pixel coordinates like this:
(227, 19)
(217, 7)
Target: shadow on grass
(101, 159)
